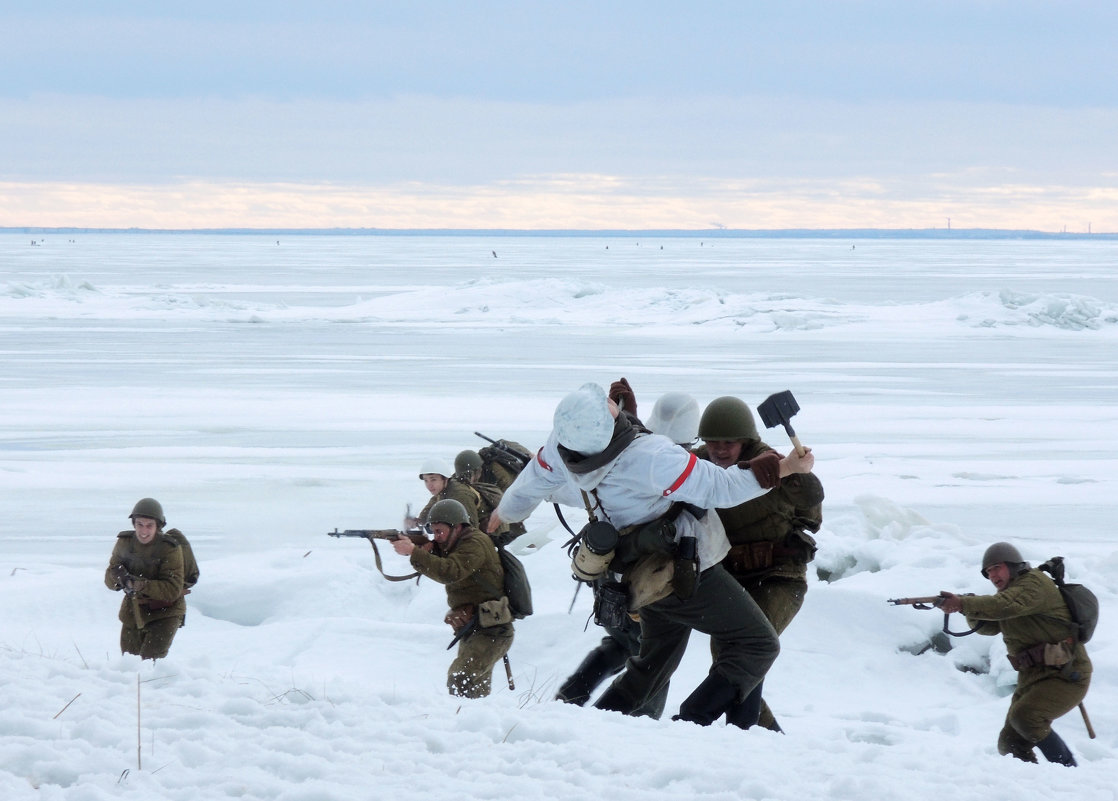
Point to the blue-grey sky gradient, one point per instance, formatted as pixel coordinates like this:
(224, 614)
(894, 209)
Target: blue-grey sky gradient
(673, 101)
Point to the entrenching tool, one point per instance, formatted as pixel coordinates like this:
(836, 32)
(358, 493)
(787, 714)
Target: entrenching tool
(778, 410)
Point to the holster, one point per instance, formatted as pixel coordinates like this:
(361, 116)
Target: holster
(611, 605)
(494, 613)
(459, 616)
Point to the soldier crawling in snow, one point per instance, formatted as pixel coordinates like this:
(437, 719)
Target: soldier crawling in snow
(155, 570)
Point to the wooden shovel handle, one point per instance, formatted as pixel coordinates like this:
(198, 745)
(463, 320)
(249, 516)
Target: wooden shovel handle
(1087, 721)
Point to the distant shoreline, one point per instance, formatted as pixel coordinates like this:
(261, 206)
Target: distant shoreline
(717, 233)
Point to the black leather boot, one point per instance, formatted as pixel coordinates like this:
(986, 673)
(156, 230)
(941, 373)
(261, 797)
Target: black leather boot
(1056, 750)
(615, 701)
(597, 665)
(710, 701)
(746, 713)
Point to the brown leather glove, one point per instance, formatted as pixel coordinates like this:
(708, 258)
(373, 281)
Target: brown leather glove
(622, 394)
(765, 468)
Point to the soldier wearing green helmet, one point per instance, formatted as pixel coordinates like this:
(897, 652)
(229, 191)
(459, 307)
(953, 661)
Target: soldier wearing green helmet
(1053, 669)
(466, 561)
(468, 466)
(770, 543)
(155, 570)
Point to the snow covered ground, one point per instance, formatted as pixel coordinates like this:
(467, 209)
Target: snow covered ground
(267, 391)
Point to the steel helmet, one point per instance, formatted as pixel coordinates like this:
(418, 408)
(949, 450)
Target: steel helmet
(583, 421)
(1001, 552)
(448, 511)
(676, 416)
(149, 507)
(727, 419)
(435, 466)
(467, 462)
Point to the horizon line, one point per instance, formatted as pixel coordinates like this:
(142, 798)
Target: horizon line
(822, 233)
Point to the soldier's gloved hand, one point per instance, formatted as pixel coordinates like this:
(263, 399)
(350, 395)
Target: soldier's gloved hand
(121, 576)
(133, 584)
(622, 394)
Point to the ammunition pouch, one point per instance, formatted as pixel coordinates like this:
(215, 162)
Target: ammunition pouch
(798, 548)
(611, 605)
(636, 542)
(458, 617)
(750, 557)
(494, 613)
(685, 570)
(1047, 654)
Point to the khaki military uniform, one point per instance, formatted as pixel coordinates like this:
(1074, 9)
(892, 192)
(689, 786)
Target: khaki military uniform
(471, 570)
(150, 617)
(456, 490)
(1030, 613)
(770, 547)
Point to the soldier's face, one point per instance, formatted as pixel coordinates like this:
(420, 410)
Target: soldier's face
(998, 575)
(145, 529)
(723, 453)
(434, 483)
(441, 532)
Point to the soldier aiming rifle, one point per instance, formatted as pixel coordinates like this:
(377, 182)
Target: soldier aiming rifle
(417, 537)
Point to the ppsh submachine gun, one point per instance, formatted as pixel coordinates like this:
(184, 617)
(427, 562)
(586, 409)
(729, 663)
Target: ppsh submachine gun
(419, 538)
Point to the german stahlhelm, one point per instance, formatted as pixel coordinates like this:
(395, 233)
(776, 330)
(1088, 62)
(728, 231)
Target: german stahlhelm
(583, 421)
(676, 416)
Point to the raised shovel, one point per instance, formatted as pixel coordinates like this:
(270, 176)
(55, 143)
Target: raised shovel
(778, 410)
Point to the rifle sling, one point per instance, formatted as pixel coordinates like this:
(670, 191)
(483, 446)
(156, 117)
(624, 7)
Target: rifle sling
(380, 567)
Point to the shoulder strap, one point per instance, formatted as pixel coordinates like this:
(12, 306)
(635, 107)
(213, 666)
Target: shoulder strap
(380, 567)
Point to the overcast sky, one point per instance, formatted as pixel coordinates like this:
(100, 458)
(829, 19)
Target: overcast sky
(882, 113)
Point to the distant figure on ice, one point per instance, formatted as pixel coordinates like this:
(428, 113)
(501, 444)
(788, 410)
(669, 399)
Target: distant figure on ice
(155, 570)
(1053, 670)
(654, 494)
(466, 561)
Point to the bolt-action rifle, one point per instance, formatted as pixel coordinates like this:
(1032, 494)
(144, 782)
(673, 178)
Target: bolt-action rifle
(390, 534)
(932, 602)
(503, 448)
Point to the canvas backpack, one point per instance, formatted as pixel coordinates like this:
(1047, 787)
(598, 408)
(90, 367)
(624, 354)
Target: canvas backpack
(1083, 605)
(517, 588)
(189, 565)
(502, 462)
